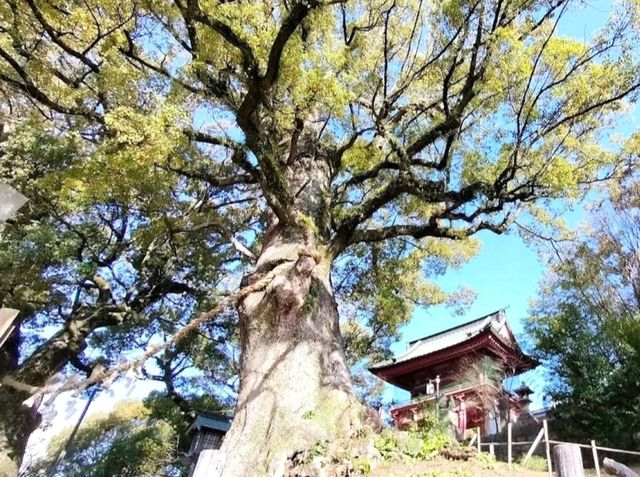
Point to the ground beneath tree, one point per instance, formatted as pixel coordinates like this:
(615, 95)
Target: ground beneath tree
(447, 468)
(414, 453)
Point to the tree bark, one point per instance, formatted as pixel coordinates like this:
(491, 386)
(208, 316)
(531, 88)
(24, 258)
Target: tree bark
(18, 416)
(295, 385)
(17, 421)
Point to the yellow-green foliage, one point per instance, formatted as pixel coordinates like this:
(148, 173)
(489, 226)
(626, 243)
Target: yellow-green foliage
(321, 74)
(362, 156)
(396, 279)
(487, 460)
(535, 462)
(120, 442)
(331, 67)
(424, 443)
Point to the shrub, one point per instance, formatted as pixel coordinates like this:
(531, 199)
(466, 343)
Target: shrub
(387, 443)
(535, 462)
(488, 461)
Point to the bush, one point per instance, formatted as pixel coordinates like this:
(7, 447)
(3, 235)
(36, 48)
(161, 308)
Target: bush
(387, 443)
(488, 461)
(535, 462)
(420, 444)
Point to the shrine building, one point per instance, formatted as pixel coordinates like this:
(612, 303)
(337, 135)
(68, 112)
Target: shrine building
(460, 373)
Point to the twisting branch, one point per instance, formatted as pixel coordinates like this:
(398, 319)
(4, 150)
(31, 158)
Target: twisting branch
(105, 376)
(225, 232)
(28, 87)
(56, 38)
(203, 137)
(433, 228)
(193, 11)
(213, 179)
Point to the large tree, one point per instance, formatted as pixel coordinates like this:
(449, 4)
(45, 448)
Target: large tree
(357, 138)
(97, 277)
(585, 325)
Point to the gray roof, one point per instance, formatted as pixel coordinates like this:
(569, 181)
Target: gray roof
(208, 422)
(495, 321)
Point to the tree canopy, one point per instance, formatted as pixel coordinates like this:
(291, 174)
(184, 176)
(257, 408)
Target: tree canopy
(586, 326)
(97, 280)
(126, 441)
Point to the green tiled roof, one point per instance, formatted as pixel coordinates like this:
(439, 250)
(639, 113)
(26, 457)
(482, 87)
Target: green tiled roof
(218, 424)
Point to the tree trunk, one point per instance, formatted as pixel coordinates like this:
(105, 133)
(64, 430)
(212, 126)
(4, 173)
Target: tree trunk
(17, 421)
(295, 387)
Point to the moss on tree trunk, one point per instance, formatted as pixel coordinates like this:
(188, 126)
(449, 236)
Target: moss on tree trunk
(295, 387)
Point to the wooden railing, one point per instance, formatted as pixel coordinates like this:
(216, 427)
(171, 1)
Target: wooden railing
(543, 435)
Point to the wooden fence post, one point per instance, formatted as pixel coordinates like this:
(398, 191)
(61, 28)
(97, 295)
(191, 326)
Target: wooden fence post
(509, 443)
(492, 449)
(596, 462)
(568, 460)
(478, 431)
(545, 427)
(532, 449)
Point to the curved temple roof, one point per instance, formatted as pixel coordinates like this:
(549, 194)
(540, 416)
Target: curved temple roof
(494, 323)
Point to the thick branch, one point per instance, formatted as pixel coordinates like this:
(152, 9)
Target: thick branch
(55, 37)
(431, 229)
(213, 179)
(193, 10)
(28, 87)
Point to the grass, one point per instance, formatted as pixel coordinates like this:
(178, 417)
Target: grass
(478, 467)
(447, 468)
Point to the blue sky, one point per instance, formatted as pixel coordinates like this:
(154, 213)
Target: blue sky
(506, 272)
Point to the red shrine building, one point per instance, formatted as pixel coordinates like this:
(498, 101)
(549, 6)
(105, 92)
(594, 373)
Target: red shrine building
(460, 372)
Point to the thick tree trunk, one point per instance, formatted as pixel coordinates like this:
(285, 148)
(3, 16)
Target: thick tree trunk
(17, 421)
(295, 384)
